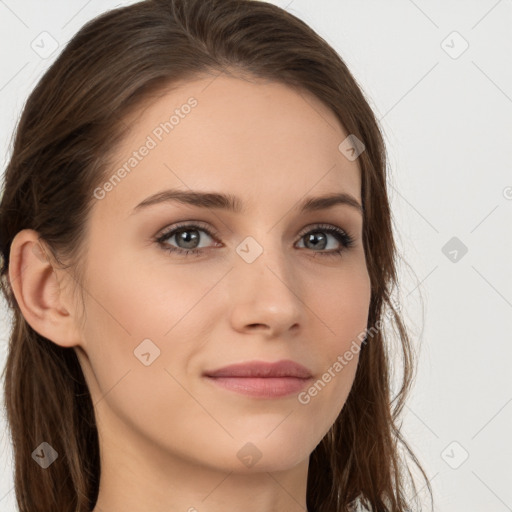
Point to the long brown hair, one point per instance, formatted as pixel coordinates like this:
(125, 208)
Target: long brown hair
(69, 128)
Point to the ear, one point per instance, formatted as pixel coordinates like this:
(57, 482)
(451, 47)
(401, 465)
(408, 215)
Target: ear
(39, 293)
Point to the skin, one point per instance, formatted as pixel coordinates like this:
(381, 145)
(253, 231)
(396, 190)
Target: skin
(169, 439)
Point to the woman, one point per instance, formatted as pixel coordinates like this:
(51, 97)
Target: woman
(197, 248)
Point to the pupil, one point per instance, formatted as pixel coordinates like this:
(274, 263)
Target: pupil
(314, 236)
(189, 239)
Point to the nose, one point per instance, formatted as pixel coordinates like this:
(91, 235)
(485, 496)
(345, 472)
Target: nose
(266, 296)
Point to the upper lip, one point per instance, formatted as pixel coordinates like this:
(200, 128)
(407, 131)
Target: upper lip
(284, 368)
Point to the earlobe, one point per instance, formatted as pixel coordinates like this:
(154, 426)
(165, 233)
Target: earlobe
(38, 291)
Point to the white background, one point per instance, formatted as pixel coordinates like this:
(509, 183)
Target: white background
(447, 120)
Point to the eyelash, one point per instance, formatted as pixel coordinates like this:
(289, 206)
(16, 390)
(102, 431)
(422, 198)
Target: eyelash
(344, 238)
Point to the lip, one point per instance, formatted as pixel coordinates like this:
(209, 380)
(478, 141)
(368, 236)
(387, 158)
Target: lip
(261, 379)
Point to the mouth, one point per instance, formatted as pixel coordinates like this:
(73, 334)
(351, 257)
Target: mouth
(262, 379)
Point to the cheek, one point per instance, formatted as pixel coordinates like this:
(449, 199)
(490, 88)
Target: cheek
(343, 304)
(140, 313)
(135, 318)
(343, 307)
(145, 296)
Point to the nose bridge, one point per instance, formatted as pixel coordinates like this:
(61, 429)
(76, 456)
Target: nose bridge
(267, 290)
(262, 256)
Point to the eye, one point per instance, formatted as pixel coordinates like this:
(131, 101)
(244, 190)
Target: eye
(317, 238)
(187, 237)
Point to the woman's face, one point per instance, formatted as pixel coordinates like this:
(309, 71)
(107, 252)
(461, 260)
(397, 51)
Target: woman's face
(266, 284)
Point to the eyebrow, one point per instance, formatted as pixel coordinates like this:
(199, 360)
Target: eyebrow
(234, 204)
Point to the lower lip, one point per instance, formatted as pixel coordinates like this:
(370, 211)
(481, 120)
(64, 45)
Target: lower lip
(264, 387)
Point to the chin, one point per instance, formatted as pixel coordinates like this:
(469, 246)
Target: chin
(257, 454)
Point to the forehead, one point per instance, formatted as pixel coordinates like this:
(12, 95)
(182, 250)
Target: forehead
(257, 139)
